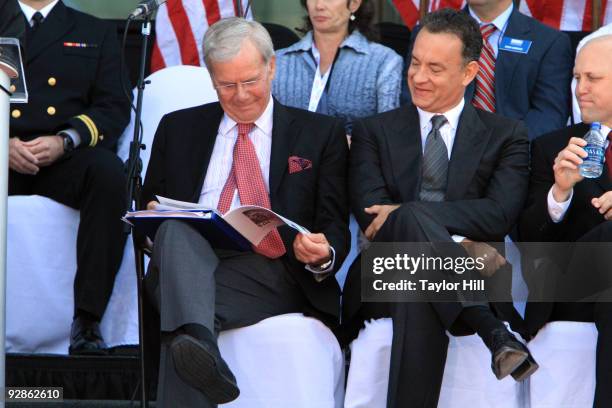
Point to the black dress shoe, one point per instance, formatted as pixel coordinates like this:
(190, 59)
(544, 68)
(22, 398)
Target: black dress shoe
(199, 363)
(85, 338)
(510, 356)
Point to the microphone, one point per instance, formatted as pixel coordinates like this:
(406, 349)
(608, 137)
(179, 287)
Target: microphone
(146, 7)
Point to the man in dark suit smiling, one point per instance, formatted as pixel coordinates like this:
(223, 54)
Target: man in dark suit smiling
(438, 170)
(246, 149)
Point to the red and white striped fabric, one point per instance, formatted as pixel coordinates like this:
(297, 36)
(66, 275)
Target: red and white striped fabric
(566, 15)
(180, 26)
(409, 9)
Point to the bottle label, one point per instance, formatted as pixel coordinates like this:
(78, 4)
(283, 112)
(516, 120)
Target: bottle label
(595, 153)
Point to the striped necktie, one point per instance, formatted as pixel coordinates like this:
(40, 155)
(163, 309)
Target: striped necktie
(484, 95)
(435, 163)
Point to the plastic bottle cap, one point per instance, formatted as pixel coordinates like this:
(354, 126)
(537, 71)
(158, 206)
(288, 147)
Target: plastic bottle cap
(596, 126)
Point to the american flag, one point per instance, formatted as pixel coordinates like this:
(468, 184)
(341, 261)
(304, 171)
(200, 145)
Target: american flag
(409, 9)
(180, 26)
(566, 15)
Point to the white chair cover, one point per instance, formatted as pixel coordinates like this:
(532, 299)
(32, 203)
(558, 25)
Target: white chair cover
(41, 263)
(285, 361)
(566, 354)
(467, 381)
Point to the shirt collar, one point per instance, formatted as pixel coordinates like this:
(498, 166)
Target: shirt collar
(29, 11)
(605, 130)
(452, 115)
(355, 40)
(264, 122)
(500, 21)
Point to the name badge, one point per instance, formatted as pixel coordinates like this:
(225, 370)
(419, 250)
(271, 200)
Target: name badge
(515, 45)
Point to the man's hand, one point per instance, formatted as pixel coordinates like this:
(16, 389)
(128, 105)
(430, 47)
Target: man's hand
(566, 168)
(491, 258)
(21, 159)
(381, 212)
(604, 205)
(311, 249)
(47, 149)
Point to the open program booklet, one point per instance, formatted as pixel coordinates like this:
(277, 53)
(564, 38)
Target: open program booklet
(237, 229)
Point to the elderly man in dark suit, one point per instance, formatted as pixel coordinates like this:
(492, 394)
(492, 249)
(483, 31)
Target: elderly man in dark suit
(563, 206)
(438, 170)
(62, 146)
(245, 149)
(526, 65)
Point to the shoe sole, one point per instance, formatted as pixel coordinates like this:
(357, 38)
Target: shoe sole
(197, 367)
(524, 371)
(509, 359)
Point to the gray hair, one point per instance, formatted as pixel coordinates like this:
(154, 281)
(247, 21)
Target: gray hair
(224, 39)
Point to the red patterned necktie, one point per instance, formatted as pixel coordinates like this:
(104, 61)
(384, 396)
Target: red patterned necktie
(484, 95)
(609, 155)
(247, 178)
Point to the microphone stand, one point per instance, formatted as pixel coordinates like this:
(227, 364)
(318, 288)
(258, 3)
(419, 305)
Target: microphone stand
(134, 196)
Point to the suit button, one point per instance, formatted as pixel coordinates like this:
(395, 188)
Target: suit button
(52, 81)
(101, 137)
(13, 88)
(51, 110)
(16, 113)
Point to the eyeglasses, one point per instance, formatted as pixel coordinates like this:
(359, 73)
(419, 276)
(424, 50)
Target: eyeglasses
(230, 88)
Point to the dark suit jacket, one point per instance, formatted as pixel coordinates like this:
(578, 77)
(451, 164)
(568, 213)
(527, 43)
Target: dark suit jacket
(487, 177)
(12, 24)
(80, 83)
(315, 198)
(532, 87)
(535, 224)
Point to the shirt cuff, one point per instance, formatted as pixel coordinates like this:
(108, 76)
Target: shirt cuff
(557, 210)
(73, 134)
(319, 273)
(457, 238)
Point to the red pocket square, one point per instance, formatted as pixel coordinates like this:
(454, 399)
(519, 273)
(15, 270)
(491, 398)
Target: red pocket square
(297, 164)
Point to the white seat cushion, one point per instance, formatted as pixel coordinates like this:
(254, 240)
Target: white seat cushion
(468, 379)
(566, 354)
(285, 361)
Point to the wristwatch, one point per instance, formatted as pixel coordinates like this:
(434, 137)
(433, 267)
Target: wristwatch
(68, 142)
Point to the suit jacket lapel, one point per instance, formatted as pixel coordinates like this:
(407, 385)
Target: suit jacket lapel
(405, 150)
(202, 146)
(471, 139)
(506, 62)
(283, 140)
(54, 27)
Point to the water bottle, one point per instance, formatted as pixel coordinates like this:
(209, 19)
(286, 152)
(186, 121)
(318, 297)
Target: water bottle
(592, 166)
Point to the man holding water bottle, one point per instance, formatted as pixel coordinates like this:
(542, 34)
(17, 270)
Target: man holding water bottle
(570, 200)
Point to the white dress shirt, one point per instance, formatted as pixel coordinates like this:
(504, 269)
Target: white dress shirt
(222, 157)
(29, 11)
(448, 131)
(500, 22)
(556, 209)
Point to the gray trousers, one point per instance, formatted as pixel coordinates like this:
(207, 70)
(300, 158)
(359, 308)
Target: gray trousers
(190, 282)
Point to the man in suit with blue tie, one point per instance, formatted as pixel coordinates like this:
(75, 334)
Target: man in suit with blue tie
(437, 171)
(525, 67)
